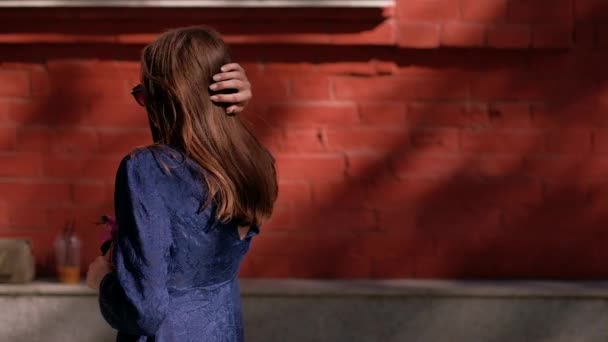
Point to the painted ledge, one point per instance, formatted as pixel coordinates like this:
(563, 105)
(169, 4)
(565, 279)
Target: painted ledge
(198, 3)
(366, 288)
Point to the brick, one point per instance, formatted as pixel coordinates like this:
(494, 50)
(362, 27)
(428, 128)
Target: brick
(429, 10)
(338, 220)
(35, 193)
(585, 114)
(510, 115)
(74, 141)
(601, 35)
(271, 138)
(392, 88)
(313, 114)
(482, 194)
(571, 140)
(123, 141)
(455, 34)
(74, 69)
(20, 111)
(552, 36)
(347, 68)
(400, 194)
(20, 165)
(365, 139)
(381, 34)
(600, 141)
(15, 83)
(552, 168)
(310, 167)
(37, 139)
(439, 140)
(269, 39)
(425, 71)
(116, 114)
(386, 67)
(8, 139)
(41, 83)
(84, 88)
(558, 168)
(585, 35)
(297, 140)
(271, 267)
(64, 111)
(495, 166)
(447, 114)
(558, 11)
(383, 113)
(20, 217)
(501, 141)
(85, 168)
(91, 194)
(291, 193)
(487, 11)
(581, 65)
(269, 88)
(281, 220)
(349, 194)
(426, 166)
(510, 84)
(310, 87)
(339, 267)
(402, 242)
(459, 221)
(418, 35)
(290, 69)
(301, 245)
(591, 10)
(352, 267)
(368, 167)
(510, 36)
(393, 268)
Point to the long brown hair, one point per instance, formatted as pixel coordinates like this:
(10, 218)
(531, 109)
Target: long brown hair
(177, 69)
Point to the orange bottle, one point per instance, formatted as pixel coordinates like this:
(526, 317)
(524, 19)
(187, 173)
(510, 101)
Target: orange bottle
(67, 252)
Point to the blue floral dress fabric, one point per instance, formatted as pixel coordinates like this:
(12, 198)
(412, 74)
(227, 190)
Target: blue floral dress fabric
(176, 266)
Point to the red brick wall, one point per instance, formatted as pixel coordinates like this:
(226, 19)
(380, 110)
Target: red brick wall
(441, 138)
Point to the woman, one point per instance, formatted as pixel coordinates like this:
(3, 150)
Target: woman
(187, 206)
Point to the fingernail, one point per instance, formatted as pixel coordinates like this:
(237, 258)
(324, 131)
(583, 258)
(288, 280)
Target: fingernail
(213, 86)
(214, 98)
(223, 69)
(217, 77)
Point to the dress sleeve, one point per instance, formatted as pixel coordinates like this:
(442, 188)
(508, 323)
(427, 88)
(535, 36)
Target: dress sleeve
(134, 298)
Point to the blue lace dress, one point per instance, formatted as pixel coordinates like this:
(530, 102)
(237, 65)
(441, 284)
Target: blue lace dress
(176, 266)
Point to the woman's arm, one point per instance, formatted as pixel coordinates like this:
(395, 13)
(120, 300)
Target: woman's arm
(134, 298)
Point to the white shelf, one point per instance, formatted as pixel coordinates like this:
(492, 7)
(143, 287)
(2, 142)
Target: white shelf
(198, 3)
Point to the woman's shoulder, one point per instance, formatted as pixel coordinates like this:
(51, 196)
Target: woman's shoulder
(161, 158)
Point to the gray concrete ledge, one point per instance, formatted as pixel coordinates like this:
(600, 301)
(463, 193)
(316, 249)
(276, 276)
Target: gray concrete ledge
(346, 311)
(321, 288)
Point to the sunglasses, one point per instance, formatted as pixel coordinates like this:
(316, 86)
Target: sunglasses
(138, 94)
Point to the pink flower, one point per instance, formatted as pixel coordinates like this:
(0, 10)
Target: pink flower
(111, 227)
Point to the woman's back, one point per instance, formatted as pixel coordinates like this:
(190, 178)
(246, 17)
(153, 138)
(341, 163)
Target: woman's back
(179, 247)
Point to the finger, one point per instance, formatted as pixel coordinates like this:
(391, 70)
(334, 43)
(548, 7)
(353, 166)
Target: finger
(230, 98)
(232, 67)
(231, 84)
(235, 109)
(237, 75)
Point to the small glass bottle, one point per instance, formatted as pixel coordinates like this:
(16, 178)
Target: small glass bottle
(67, 252)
